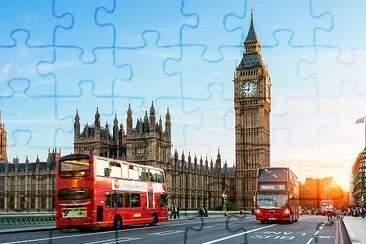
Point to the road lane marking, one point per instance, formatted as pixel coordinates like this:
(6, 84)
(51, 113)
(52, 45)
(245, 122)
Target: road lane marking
(164, 233)
(239, 234)
(309, 240)
(317, 232)
(105, 232)
(303, 234)
(123, 239)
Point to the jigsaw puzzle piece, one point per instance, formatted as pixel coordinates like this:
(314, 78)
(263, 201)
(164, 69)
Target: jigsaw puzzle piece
(210, 32)
(130, 19)
(19, 61)
(196, 74)
(149, 78)
(348, 20)
(35, 113)
(347, 133)
(85, 34)
(37, 18)
(304, 136)
(286, 83)
(182, 121)
(85, 102)
(69, 71)
(334, 70)
(304, 31)
(213, 109)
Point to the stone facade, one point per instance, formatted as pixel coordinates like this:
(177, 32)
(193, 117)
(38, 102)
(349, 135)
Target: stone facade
(252, 103)
(28, 186)
(3, 142)
(191, 183)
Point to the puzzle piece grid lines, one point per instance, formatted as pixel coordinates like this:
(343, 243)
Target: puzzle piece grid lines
(185, 66)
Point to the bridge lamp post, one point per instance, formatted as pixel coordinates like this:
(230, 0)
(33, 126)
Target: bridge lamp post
(224, 195)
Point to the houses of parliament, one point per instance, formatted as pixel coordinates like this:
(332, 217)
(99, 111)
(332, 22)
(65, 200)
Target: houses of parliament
(193, 181)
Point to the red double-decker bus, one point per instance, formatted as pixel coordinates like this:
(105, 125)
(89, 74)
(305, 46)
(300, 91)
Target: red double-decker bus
(97, 192)
(277, 195)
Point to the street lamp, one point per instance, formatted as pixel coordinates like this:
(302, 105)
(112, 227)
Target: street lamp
(224, 195)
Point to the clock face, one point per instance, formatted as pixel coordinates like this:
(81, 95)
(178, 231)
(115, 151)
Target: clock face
(248, 89)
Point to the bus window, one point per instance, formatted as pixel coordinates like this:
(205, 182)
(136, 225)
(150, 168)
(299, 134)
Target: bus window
(102, 168)
(133, 172)
(117, 200)
(124, 171)
(79, 167)
(135, 200)
(143, 174)
(107, 200)
(152, 175)
(159, 176)
(115, 169)
(126, 196)
(74, 194)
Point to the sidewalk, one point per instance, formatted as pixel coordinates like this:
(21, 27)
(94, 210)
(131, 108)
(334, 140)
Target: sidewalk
(356, 229)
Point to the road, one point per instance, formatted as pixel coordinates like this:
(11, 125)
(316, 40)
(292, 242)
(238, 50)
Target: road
(309, 229)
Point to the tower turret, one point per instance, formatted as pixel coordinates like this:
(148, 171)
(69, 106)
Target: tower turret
(97, 120)
(168, 124)
(252, 43)
(129, 120)
(152, 116)
(76, 127)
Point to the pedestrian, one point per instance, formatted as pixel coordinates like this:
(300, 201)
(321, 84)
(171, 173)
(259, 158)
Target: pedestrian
(177, 210)
(172, 211)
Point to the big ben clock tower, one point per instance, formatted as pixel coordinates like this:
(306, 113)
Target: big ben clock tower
(252, 103)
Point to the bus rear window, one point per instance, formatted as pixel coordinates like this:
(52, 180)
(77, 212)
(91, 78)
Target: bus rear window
(74, 168)
(74, 194)
(275, 174)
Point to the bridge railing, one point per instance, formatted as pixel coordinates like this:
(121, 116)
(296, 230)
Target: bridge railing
(44, 219)
(26, 219)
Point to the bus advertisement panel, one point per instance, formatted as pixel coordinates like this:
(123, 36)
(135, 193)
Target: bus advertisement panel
(97, 192)
(277, 195)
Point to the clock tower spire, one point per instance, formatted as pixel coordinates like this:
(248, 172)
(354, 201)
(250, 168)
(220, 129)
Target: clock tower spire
(252, 104)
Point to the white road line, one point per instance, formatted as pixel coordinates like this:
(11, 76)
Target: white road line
(309, 240)
(103, 232)
(123, 239)
(239, 234)
(164, 233)
(317, 232)
(321, 227)
(303, 234)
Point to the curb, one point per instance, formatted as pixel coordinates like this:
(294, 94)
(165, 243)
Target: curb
(351, 234)
(23, 230)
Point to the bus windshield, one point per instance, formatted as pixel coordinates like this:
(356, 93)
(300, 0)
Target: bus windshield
(275, 174)
(74, 168)
(74, 194)
(271, 200)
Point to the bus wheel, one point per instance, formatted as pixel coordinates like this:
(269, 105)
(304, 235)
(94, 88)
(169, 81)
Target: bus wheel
(262, 221)
(117, 223)
(154, 220)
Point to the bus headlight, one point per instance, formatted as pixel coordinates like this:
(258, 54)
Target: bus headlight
(257, 211)
(287, 211)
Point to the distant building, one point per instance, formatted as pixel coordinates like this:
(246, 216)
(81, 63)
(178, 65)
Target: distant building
(28, 186)
(3, 141)
(359, 179)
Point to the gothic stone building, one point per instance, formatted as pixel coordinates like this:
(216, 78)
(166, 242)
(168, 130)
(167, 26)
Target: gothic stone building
(252, 104)
(191, 183)
(28, 186)
(3, 142)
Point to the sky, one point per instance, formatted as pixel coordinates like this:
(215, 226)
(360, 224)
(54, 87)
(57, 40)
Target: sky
(56, 57)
